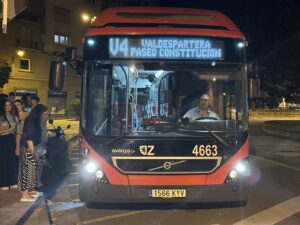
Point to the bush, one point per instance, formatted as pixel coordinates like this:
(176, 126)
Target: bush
(5, 71)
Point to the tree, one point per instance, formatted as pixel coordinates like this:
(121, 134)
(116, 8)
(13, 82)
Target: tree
(5, 71)
(280, 71)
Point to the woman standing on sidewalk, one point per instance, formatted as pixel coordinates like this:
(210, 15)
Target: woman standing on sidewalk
(21, 114)
(30, 168)
(8, 159)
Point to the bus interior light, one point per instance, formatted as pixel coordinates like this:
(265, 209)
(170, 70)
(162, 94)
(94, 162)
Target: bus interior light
(132, 70)
(159, 73)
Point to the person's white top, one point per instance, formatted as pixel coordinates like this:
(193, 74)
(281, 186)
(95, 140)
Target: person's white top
(194, 113)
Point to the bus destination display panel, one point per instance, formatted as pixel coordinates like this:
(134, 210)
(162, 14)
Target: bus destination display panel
(166, 48)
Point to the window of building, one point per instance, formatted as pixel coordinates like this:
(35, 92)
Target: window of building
(24, 64)
(25, 34)
(62, 39)
(62, 14)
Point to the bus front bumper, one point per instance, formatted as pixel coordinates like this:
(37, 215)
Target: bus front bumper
(96, 192)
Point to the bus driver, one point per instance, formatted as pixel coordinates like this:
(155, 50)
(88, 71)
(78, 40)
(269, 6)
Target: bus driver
(202, 111)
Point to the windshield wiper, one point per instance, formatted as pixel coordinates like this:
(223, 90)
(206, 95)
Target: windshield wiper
(186, 121)
(215, 136)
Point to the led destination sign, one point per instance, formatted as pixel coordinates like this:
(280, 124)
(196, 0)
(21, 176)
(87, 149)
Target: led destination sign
(166, 48)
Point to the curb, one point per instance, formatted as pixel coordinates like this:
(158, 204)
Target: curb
(274, 128)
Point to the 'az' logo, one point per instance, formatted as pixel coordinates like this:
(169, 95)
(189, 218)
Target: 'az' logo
(147, 149)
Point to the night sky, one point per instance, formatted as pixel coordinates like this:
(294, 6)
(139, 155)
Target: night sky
(265, 23)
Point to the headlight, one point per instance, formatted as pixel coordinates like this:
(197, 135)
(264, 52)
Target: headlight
(243, 168)
(240, 167)
(240, 170)
(91, 167)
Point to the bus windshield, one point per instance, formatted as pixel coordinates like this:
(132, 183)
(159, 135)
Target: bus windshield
(163, 99)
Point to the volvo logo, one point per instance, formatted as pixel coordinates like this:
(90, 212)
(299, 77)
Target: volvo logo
(167, 165)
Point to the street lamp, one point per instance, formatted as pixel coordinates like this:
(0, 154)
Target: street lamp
(20, 53)
(85, 17)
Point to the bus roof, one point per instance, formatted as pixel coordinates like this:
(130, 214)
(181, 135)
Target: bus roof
(163, 20)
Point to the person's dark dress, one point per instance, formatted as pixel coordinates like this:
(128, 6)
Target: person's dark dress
(8, 159)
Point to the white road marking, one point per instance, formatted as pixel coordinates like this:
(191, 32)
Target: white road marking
(73, 185)
(276, 163)
(114, 216)
(274, 214)
(74, 158)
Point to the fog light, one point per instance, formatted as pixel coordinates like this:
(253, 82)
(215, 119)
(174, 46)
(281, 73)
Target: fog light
(233, 174)
(99, 174)
(91, 167)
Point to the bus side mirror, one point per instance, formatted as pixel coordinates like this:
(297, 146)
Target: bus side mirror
(57, 75)
(70, 54)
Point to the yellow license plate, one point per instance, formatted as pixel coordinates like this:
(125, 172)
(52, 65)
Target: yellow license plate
(167, 193)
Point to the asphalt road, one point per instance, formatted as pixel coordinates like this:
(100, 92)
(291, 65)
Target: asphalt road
(274, 194)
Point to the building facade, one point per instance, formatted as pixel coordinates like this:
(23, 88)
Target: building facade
(44, 27)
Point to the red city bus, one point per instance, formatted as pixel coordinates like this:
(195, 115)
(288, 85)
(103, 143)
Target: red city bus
(145, 136)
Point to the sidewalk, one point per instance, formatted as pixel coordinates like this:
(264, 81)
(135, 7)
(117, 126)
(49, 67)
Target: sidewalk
(12, 211)
(289, 129)
(285, 124)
